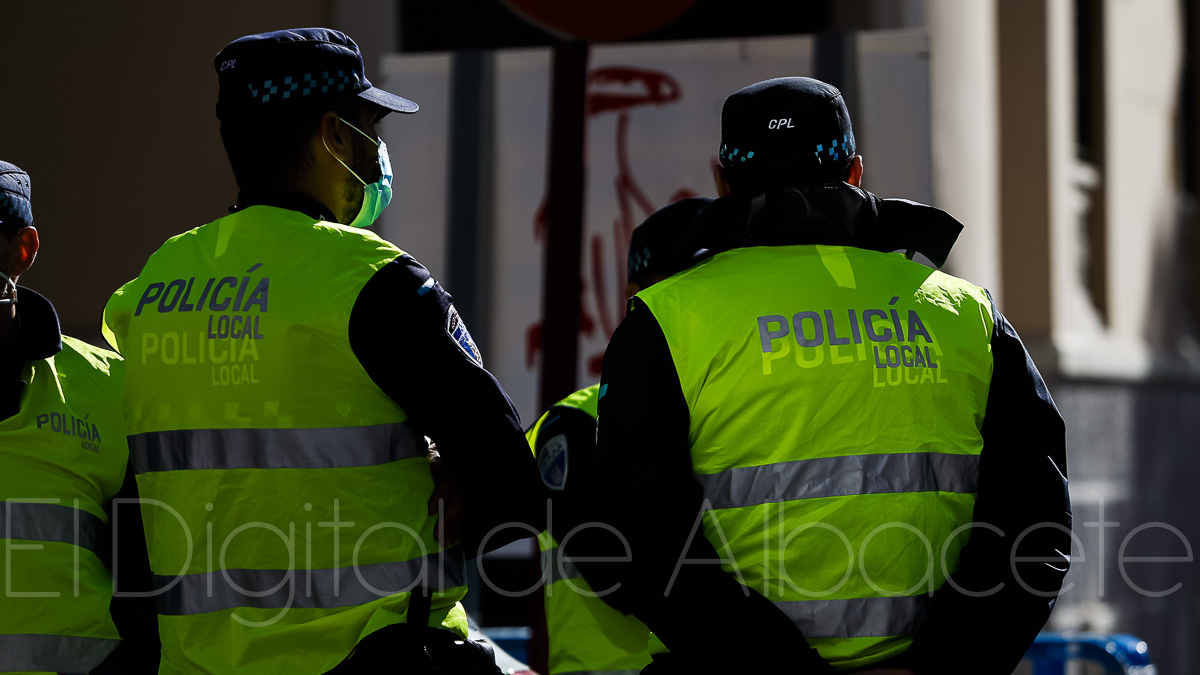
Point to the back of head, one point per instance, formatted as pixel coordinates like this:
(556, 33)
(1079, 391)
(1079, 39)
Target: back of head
(274, 89)
(16, 207)
(784, 132)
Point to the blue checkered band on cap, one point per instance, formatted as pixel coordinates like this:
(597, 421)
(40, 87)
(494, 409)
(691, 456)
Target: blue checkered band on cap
(15, 208)
(665, 242)
(638, 261)
(731, 156)
(796, 126)
(267, 71)
(846, 147)
(323, 82)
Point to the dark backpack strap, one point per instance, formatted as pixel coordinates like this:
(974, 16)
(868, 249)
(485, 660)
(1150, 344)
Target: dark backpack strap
(419, 605)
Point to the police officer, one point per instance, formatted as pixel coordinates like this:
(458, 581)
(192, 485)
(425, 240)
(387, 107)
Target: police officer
(585, 634)
(63, 460)
(285, 364)
(806, 435)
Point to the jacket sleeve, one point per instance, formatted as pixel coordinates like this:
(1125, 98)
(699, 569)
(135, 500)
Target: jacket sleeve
(410, 339)
(1014, 561)
(643, 490)
(133, 606)
(574, 433)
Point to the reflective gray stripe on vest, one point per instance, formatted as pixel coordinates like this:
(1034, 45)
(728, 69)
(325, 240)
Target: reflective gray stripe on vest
(307, 589)
(50, 522)
(557, 567)
(55, 653)
(326, 448)
(841, 476)
(857, 617)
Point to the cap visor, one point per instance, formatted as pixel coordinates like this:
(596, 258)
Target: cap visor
(388, 100)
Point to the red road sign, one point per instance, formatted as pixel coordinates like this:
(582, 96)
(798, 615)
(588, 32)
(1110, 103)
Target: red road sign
(599, 19)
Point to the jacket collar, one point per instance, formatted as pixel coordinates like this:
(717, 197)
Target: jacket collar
(284, 199)
(833, 214)
(38, 336)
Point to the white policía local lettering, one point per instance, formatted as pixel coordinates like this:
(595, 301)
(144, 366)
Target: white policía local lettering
(231, 360)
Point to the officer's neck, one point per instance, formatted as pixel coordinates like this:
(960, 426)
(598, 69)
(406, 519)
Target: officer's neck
(330, 195)
(285, 199)
(328, 183)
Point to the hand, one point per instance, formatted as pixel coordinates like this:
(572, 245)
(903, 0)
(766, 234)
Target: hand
(448, 501)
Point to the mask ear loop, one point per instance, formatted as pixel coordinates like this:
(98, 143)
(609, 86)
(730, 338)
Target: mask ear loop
(8, 283)
(339, 160)
(364, 134)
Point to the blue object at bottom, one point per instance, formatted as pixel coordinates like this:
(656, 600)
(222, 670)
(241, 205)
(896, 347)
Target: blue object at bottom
(1117, 653)
(512, 639)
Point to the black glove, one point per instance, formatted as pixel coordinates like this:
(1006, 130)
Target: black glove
(462, 657)
(413, 650)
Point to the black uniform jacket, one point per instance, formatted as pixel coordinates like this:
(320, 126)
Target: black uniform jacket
(408, 336)
(641, 480)
(35, 337)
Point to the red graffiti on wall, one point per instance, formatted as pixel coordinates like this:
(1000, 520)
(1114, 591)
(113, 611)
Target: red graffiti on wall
(617, 90)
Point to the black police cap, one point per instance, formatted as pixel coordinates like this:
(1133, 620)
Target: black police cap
(667, 242)
(794, 125)
(266, 72)
(16, 207)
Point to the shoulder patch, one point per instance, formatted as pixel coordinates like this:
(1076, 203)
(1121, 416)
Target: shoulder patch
(552, 462)
(456, 328)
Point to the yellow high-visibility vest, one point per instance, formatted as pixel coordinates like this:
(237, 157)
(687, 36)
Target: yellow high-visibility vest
(284, 492)
(586, 636)
(836, 397)
(63, 461)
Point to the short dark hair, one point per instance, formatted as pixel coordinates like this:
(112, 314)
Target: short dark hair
(751, 181)
(267, 150)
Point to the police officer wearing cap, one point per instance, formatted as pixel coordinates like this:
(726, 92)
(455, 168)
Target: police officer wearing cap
(586, 636)
(286, 366)
(63, 461)
(820, 454)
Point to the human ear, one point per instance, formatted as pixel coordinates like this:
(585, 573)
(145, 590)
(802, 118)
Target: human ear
(336, 137)
(721, 181)
(856, 172)
(25, 247)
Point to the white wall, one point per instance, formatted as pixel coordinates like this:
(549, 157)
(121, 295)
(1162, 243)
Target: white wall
(418, 143)
(671, 147)
(965, 126)
(1144, 61)
(894, 83)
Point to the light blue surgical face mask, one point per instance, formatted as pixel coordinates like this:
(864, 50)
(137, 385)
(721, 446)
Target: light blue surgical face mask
(377, 195)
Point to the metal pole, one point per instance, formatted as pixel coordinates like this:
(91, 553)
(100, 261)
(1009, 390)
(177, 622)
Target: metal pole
(469, 204)
(836, 62)
(1192, 89)
(564, 223)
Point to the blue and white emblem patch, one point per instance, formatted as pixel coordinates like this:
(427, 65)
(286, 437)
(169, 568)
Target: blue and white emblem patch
(552, 462)
(456, 328)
